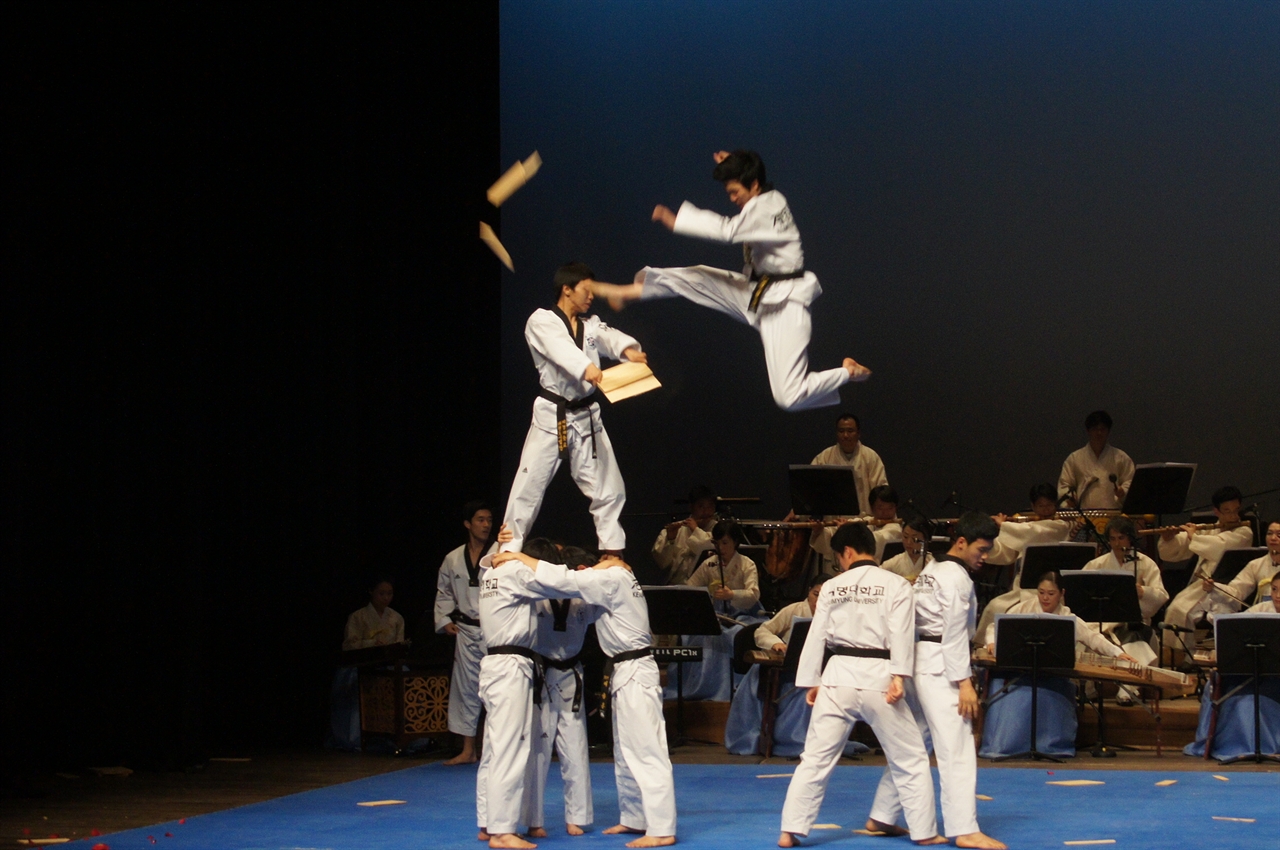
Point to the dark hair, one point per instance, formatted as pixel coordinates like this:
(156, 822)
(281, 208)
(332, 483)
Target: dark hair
(1122, 525)
(570, 275)
(1051, 575)
(725, 528)
(744, 166)
(821, 580)
(847, 415)
(855, 536)
(575, 557)
(470, 509)
(542, 549)
(1098, 417)
(1043, 491)
(975, 525)
(922, 525)
(699, 492)
(882, 493)
(377, 579)
(1226, 494)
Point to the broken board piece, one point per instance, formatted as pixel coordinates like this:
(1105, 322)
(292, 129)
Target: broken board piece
(1166, 782)
(488, 237)
(774, 775)
(383, 803)
(1090, 841)
(984, 797)
(1220, 777)
(515, 177)
(1236, 820)
(1074, 782)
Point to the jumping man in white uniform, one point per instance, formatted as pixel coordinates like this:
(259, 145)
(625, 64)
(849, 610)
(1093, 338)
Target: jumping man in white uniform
(567, 346)
(772, 294)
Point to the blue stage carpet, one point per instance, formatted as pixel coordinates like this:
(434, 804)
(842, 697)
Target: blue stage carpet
(727, 806)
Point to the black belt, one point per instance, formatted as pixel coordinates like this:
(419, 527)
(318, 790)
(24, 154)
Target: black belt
(930, 638)
(458, 617)
(563, 406)
(569, 664)
(612, 661)
(762, 282)
(525, 651)
(853, 651)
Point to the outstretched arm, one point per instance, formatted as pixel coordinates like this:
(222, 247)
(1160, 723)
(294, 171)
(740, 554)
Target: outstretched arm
(665, 216)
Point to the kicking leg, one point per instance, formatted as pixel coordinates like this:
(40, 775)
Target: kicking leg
(785, 330)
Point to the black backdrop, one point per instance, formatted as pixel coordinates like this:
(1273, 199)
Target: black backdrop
(249, 356)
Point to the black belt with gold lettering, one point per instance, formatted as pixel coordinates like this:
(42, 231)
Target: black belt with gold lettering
(563, 406)
(569, 664)
(525, 651)
(762, 282)
(612, 661)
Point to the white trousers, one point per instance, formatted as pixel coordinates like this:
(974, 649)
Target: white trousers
(937, 701)
(834, 713)
(560, 728)
(597, 477)
(464, 683)
(784, 330)
(506, 685)
(641, 764)
(1193, 601)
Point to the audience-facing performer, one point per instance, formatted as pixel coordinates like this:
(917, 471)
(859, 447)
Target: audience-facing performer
(1006, 727)
(1201, 596)
(1270, 605)
(567, 345)
(642, 768)
(457, 613)
(865, 619)
(728, 575)
(1257, 586)
(772, 294)
(908, 563)
(884, 525)
(680, 544)
(868, 469)
(946, 611)
(1097, 476)
(1013, 540)
(376, 624)
(562, 724)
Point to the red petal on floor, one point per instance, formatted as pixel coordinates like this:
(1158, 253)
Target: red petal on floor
(168, 835)
(101, 846)
(182, 820)
(94, 832)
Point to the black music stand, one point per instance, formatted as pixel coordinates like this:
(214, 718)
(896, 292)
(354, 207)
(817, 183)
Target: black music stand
(1040, 643)
(1102, 596)
(1233, 561)
(679, 611)
(1159, 488)
(823, 490)
(1040, 558)
(1248, 645)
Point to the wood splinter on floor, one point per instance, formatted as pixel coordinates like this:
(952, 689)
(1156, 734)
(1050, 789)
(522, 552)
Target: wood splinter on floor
(1090, 841)
(1166, 782)
(1236, 820)
(825, 826)
(1220, 777)
(868, 832)
(774, 775)
(984, 797)
(383, 803)
(1074, 782)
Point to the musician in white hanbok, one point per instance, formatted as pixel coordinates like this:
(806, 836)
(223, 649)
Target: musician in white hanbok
(885, 526)
(773, 292)
(908, 563)
(868, 468)
(681, 544)
(1097, 476)
(1201, 595)
(376, 624)
(567, 346)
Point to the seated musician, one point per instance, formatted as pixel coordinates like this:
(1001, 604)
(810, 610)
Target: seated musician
(1122, 537)
(1006, 726)
(376, 624)
(775, 634)
(1097, 476)
(908, 563)
(680, 544)
(868, 469)
(1040, 526)
(884, 523)
(731, 579)
(1233, 727)
(1202, 596)
(1266, 569)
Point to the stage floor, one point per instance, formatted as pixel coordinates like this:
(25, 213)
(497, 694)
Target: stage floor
(723, 803)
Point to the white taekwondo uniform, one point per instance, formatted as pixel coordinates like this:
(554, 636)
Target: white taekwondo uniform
(771, 245)
(868, 470)
(641, 765)
(946, 610)
(458, 601)
(562, 625)
(1210, 544)
(739, 575)
(1010, 543)
(1087, 477)
(679, 556)
(508, 618)
(863, 609)
(561, 359)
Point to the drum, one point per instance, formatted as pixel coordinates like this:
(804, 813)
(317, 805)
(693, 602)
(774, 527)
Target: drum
(788, 551)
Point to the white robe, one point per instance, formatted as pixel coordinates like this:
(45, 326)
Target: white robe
(778, 629)
(1088, 477)
(772, 246)
(868, 608)
(454, 591)
(904, 565)
(868, 470)
(678, 557)
(366, 628)
(1010, 543)
(1193, 600)
(561, 364)
(739, 575)
(1086, 635)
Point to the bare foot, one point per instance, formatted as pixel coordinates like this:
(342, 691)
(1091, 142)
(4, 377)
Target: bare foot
(977, 839)
(787, 839)
(857, 372)
(620, 829)
(885, 828)
(574, 829)
(510, 841)
(483, 836)
(653, 841)
(616, 294)
(463, 757)
(537, 832)
(937, 839)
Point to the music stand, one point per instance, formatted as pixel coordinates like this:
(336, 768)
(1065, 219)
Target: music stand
(1159, 488)
(1040, 558)
(823, 490)
(1102, 596)
(1233, 561)
(1038, 643)
(680, 610)
(1248, 645)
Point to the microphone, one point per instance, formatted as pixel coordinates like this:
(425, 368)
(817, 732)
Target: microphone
(950, 500)
(1170, 627)
(1112, 478)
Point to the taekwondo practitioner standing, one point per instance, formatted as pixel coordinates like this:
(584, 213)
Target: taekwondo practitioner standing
(567, 346)
(866, 620)
(772, 294)
(641, 765)
(946, 612)
(457, 613)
